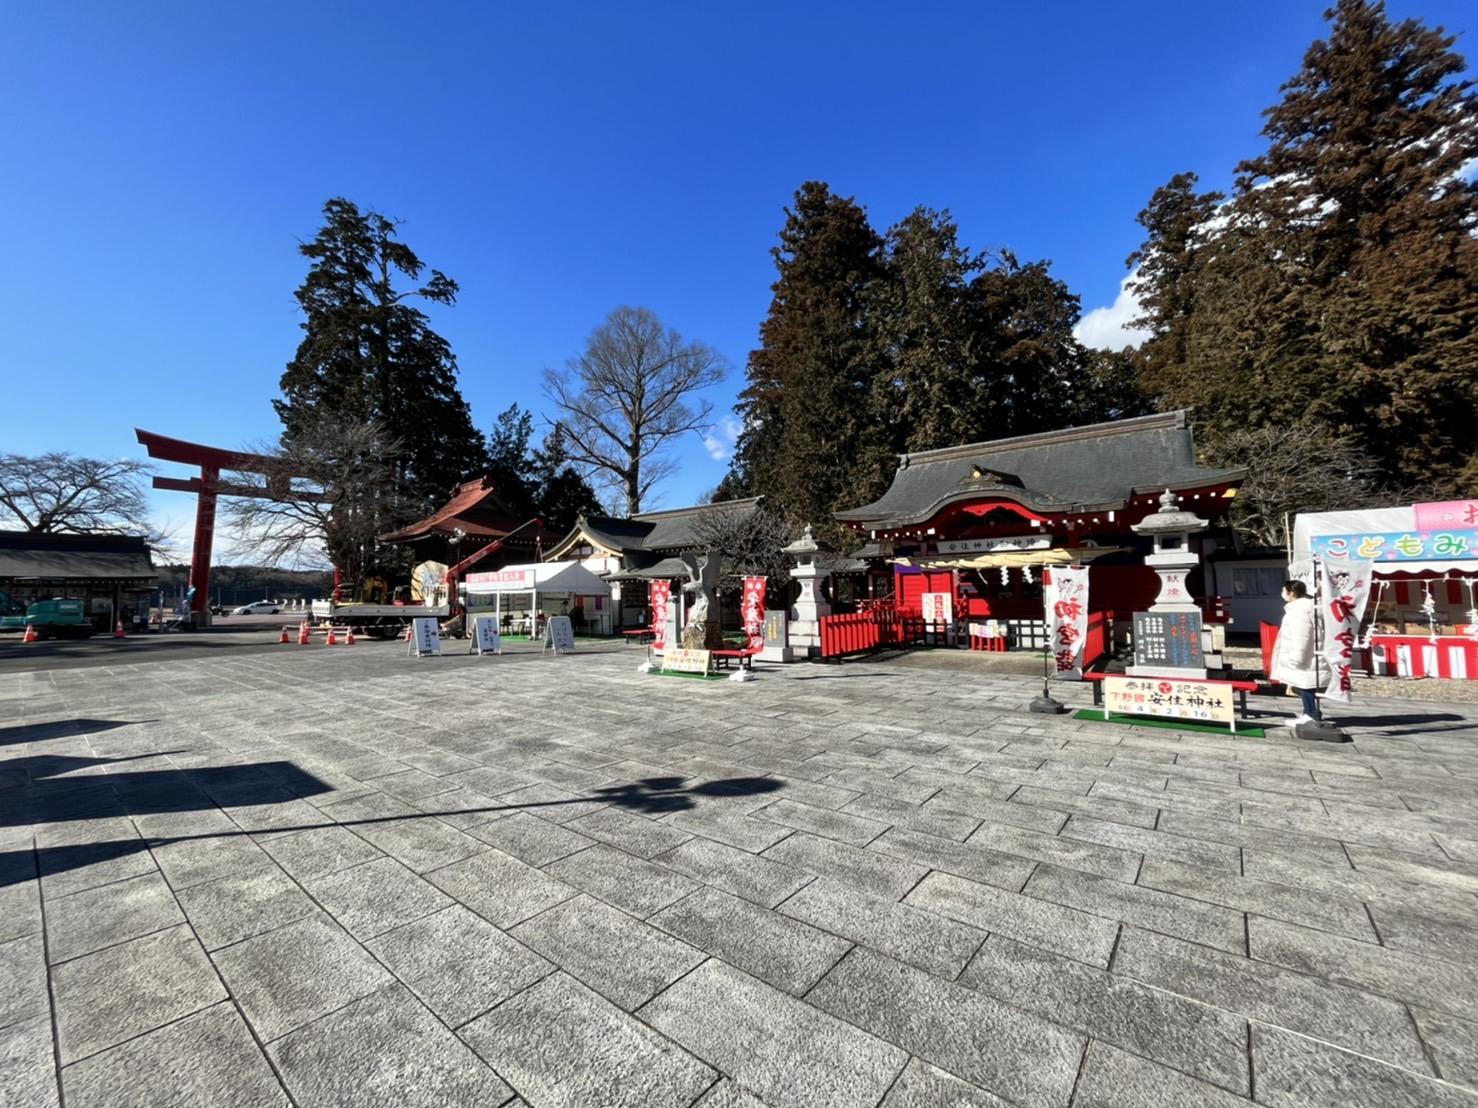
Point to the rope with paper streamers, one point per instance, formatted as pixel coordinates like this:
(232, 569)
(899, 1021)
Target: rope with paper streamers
(1429, 609)
(1366, 642)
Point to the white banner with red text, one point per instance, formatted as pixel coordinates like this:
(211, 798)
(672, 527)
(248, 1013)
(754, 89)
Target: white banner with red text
(1065, 596)
(1344, 590)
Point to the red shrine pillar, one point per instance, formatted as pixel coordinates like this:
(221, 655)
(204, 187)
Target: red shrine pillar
(205, 523)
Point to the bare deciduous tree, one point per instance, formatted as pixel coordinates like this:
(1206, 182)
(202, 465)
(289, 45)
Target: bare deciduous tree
(749, 538)
(60, 493)
(628, 396)
(324, 498)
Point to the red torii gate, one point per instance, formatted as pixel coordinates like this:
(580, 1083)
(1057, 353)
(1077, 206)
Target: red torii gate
(208, 486)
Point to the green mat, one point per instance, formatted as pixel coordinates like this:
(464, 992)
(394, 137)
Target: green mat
(1095, 715)
(689, 676)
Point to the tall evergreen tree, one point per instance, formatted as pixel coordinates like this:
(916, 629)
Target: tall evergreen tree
(369, 355)
(811, 441)
(1339, 287)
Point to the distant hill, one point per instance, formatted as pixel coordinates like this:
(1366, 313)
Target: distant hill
(232, 585)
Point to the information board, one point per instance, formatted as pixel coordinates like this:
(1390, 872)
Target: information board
(485, 638)
(683, 660)
(425, 637)
(1169, 698)
(559, 633)
(1168, 639)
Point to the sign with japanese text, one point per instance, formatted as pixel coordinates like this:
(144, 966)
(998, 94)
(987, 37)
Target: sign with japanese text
(559, 633)
(515, 578)
(485, 638)
(425, 637)
(1446, 515)
(752, 611)
(1398, 546)
(1065, 597)
(683, 660)
(1168, 639)
(985, 546)
(660, 595)
(1344, 590)
(937, 607)
(1169, 698)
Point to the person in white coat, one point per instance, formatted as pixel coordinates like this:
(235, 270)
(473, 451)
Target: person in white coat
(1295, 658)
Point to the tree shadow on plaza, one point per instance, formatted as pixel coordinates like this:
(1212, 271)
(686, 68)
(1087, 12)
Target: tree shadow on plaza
(149, 792)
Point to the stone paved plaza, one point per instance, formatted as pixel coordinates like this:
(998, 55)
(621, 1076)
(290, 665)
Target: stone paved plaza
(315, 876)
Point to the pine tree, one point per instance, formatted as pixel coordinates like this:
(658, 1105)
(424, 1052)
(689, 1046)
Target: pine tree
(369, 356)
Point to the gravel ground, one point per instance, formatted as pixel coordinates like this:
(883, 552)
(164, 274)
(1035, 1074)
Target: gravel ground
(1393, 688)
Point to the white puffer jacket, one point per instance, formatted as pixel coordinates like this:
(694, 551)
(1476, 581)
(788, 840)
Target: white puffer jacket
(1294, 661)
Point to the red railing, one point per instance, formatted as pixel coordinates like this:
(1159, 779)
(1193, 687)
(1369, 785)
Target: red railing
(880, 625)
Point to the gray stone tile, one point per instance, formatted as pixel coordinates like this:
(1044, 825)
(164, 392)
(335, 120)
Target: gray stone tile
(921, 938)
(1105, 861)
(187, 861)
(1077, 934)
(1434, 932)
(67, 869)
(206, 1060)
(1323, 911)
(501, 889)
(23, 993)
(384, 1049)
(726, 1094)
(1439, 874)
(972, 861)
(1453, 1044)
(1113, 1078)
(869, 870)
(634, 834)
(20, 909)
(1154, 844)
(883, 782)
(1312, 848)
(786, 1051)
(1291, 1070)
(924, 818)
(1017, 1056)
(28, 1064)
(458, 963)
(371, 899)
(1148, 908)
(1415, 979)
(233, 908)
(998, 810)
(421, 844)
(1106, 808)
(775, 948)
(530, 839)
(322, 850)
(1207, 1043)
(123, 991)
(926, 1086)
(412, 785)
(828, 823)
(632, 884)
(713, 822)
(625, 960)
(604, 1056)
(292, 976)
(1311, 1006)
(756, 879)
(550, 802)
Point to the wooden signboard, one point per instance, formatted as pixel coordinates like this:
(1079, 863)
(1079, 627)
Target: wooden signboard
(559, 633)
(1168, 639)
(485, 638)
(683, 660)
(1169, 698)
(425, 637)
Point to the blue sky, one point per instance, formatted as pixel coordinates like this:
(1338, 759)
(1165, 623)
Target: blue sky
(163, 160)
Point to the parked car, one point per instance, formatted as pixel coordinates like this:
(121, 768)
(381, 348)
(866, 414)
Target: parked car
(59, 619)
(259, 608)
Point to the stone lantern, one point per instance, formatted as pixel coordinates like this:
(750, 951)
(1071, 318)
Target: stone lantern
(809, 606)
(1167, 638)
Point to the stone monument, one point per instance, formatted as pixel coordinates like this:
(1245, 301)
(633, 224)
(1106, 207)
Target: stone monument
(702, 630)
(1167, 638)
(805, 614)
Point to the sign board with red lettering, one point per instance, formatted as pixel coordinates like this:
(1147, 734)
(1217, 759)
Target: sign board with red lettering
(1169, 698)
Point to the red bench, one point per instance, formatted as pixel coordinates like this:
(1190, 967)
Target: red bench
(639, 634)
(744, 657)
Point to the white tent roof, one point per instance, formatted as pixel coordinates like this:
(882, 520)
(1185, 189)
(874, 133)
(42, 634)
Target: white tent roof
(1369, 521)
(569, 577)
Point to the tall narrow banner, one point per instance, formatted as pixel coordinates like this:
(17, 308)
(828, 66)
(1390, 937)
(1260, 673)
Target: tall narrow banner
(752, 609)
(1065, 597)
(1344, 590)
(660, 595)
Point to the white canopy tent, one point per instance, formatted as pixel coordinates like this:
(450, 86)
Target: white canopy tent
(1312, 532)
(566, 579)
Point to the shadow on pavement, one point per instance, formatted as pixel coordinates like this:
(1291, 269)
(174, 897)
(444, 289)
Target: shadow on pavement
(60, 729)
(155, 791)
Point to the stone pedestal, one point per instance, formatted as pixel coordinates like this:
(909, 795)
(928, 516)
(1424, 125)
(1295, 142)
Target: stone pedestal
(809, 606)
(1167, 638)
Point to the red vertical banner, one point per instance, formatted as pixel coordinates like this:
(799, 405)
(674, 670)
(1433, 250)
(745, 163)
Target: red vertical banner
(752, 608)
(660, 594)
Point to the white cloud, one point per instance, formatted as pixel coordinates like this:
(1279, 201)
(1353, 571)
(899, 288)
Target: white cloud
(1108, 328)
(720, 441)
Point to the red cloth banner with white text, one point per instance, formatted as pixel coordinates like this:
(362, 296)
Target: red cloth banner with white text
(752, 609)
(660, 593)
(1065, 596)
(1344, 590)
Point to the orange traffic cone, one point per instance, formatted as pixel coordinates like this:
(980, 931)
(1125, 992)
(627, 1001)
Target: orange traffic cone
(331, 640)
(31, 635)
(303, 633)
(118, 631)
(284, 634)
(409, 627)
(349, 637)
